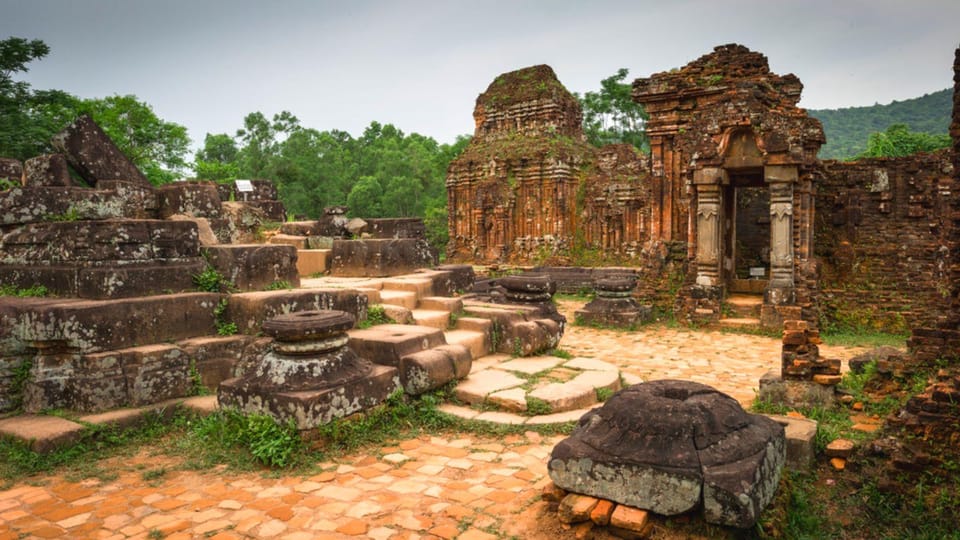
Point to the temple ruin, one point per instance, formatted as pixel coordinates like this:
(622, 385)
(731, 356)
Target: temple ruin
(732, 200)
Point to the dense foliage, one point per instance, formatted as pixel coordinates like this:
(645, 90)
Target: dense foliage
(899, 141)
(382, 173)
(29, 118)
(849, 129)
(611, 116)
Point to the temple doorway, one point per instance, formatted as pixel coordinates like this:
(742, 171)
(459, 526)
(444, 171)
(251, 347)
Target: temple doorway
(746, 228)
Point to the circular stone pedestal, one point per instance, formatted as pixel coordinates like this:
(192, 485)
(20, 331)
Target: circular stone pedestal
(614, 304)
(310, 376)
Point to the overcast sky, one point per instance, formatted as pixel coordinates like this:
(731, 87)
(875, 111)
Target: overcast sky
(421, 64)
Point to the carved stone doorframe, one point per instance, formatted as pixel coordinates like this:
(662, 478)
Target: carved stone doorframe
(781, 180)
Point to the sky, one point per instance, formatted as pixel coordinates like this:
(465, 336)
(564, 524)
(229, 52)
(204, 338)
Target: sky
(420, 65)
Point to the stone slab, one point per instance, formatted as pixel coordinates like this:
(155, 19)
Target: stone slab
(99, 325)
(530, 365)
(386, 344)
(312, 261)
(255, 267)
(249, 310)
(94, 155)
(42, 433)
(478, 385)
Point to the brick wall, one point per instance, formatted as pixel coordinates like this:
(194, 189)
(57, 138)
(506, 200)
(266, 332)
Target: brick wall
(881, 239)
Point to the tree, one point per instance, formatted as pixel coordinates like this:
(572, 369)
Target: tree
(217, 160)
(611, 116)
(261, 140)
(899, 141)
(20, 135)
(364, 198)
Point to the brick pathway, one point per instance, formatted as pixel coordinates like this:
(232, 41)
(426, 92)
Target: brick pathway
(469, 487)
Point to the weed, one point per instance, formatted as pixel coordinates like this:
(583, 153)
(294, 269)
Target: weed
(224, 327)
(603, 394)
(375, 315)
(865, 338)
(537, 406)
(560, 353)
(269, 442)
(34, 291)
(279, 285)
(210, 280)
(197, 387)
(496, 336)
(72, 214)
(517, 347)
(156, 534)
(154, 474)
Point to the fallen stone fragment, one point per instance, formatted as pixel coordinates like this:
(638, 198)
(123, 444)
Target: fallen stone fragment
(94, 155)
(838, 463)
(671, 446)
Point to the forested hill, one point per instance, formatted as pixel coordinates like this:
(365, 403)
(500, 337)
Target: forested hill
(848, 129)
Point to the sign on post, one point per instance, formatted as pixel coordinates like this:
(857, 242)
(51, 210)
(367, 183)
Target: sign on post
(244, 187)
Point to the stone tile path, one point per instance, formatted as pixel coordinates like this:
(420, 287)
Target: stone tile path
(466, 487)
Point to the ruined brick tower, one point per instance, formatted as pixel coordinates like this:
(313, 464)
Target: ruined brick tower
(528, 186)
(514, 186)
(733, 162)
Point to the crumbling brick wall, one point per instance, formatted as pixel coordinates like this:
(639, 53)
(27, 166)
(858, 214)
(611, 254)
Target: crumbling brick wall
(528, 188)
(880, 238)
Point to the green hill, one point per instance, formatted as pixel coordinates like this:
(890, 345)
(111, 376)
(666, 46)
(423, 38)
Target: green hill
(848, 129)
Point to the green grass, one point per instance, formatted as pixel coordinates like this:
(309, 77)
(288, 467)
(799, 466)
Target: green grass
(870, 339)
(34, 291)
(376, 315)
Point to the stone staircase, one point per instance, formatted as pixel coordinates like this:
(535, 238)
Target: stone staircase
(745, 310)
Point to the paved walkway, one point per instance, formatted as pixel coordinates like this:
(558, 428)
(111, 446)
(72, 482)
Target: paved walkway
(467, 487)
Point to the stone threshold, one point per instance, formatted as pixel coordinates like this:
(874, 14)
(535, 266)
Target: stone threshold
(45, 433)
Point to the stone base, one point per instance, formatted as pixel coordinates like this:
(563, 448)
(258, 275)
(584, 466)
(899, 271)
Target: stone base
(254, 267)
(312, 408)
(795, 393)
(379, 258)
(609, 313)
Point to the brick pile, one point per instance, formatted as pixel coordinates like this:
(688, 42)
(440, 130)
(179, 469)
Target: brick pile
(801, 355)
(584, 513)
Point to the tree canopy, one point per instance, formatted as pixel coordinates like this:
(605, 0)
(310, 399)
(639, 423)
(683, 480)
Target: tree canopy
(29, 118)
(611, 116)
(899, 141)
(849, 129)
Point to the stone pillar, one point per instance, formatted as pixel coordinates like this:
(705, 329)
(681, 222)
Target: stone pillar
(708, 226)
(781, 180)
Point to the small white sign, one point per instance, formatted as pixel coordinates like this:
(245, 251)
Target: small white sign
(757, 271)
(244, 186)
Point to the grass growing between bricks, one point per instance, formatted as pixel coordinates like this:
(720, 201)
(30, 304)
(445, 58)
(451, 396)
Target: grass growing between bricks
(247, 442)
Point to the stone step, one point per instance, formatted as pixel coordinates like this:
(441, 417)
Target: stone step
(443, 303)
(312, 261)
(386, 344)
(45, 433)
(432, 318)
(423, 287)
(407, 299)
(745, 305)
(474, 324)
(740, 323)
(478, 342)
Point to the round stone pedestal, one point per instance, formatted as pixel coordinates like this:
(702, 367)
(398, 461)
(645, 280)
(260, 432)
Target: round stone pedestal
(310, 376)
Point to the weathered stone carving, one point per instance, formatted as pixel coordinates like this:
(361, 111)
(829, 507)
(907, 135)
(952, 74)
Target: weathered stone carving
(672, 446)
(614, 304)
(310, 377)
